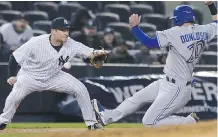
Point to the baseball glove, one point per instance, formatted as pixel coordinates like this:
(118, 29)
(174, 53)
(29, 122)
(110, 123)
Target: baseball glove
(98, 57)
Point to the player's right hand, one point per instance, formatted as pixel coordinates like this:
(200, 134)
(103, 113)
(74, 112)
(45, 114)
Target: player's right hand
(208, 2)
(12, 80)
(134, 20)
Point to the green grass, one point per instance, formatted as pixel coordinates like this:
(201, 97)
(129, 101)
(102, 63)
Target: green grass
(20, 134)
(46, 125)
(55, 125)
(68, 125)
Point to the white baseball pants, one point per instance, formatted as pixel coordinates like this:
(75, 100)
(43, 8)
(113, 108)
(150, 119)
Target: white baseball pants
(62, 82)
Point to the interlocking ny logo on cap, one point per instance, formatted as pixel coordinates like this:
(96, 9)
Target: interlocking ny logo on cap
(65, 22)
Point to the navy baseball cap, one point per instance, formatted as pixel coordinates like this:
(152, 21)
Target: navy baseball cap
(91, 24)
(21, 16)
(108, 30)
(60, 23)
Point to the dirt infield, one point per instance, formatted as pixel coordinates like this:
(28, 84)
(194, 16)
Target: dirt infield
(204, 129)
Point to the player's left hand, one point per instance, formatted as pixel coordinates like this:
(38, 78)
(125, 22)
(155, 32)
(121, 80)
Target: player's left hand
(98, 57)
(134, 20)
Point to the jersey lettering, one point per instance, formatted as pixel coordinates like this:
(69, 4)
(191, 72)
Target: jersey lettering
(194, 36)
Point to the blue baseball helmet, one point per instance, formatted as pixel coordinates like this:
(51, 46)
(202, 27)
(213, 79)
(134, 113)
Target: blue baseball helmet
(183, 14)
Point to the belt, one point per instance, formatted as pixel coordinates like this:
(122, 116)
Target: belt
(172, 80)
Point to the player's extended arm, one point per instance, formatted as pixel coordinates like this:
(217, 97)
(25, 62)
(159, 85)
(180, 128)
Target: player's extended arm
(144, 38)
(213, 10)
(134, 21)
(95, 57)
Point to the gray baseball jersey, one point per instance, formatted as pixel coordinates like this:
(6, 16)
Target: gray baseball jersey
(42, 61)
(186, 45)
(12, 38)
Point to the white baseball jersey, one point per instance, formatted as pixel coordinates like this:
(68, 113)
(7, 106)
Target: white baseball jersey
(41, 71)
(40, 60)
(186, 45)
(12, 38)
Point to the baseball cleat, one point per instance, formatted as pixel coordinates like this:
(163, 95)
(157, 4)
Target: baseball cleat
(96, 126)
(194, 115)
(99, 110)
(3, 126)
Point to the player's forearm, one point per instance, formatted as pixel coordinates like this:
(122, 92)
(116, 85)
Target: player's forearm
(144, 38)
(12, 66)
(213, 11)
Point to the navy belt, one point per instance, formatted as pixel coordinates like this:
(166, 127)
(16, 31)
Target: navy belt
(172, 80)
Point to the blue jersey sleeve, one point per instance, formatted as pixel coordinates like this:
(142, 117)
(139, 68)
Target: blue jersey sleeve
(144, 38)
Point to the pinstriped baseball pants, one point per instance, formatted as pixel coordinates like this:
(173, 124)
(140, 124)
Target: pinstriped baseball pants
(62, 82)
(166, 98)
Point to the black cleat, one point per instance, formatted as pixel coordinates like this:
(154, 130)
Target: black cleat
(96, 126)
(3, 126)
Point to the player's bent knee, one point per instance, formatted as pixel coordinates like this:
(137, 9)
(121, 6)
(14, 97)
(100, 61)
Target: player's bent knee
(81, 90)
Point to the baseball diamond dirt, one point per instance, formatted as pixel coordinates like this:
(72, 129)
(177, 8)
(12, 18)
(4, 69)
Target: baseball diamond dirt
(202, 129)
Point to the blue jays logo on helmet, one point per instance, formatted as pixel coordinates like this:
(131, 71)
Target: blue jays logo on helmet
(183, 14)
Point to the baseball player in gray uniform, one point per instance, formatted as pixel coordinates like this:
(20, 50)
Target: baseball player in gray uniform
(41, 60)
(186, 42)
